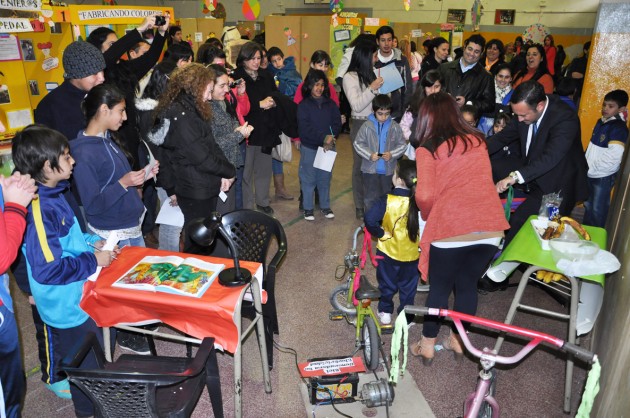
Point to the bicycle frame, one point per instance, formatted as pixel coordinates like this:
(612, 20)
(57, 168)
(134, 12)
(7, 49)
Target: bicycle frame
(489, 357)
(367, 332)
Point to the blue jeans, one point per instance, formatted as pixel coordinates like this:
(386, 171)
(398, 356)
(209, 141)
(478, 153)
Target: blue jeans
(311, 177)
(276, 166)
(598, 203)
(12, 381)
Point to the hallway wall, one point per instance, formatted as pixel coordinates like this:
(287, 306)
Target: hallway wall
(611, 334)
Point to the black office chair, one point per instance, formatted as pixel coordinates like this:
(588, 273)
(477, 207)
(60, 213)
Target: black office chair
(252, 233)
(145, 386)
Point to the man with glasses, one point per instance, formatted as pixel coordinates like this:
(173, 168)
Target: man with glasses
(467, 80)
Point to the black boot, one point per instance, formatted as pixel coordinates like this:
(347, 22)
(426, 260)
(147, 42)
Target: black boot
(485, 285)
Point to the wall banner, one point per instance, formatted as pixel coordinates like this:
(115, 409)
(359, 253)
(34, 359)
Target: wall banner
(26, 5)
(13, 25)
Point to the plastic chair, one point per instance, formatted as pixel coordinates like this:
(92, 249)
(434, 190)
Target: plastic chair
(145, 386)
(252, 233)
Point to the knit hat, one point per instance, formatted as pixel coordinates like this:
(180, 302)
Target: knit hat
(82, 59)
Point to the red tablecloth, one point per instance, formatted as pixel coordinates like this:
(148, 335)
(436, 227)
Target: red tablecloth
(211, 315)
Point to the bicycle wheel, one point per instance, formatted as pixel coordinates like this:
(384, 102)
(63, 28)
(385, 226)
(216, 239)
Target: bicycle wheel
(371, 343)
(339, 300)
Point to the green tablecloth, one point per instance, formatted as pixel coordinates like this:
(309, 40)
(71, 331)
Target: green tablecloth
(525, 248)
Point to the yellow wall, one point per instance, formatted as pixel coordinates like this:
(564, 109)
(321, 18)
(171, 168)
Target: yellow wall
(607, 70)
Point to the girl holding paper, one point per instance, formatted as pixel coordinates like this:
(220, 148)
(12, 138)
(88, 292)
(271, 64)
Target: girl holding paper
(319, 122)
(103, 175)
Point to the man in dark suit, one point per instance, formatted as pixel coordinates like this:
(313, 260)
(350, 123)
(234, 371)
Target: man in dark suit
(553, 157)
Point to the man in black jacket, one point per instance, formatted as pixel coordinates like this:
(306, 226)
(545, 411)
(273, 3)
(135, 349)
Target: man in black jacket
(388, 55)
(467, 80)
(554, 162)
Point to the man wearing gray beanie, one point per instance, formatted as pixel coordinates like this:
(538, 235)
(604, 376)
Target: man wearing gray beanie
(83, 66)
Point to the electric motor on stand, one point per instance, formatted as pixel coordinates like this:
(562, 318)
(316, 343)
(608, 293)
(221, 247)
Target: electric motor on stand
(379, 393)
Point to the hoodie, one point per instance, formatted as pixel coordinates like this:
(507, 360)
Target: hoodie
(100, 163)
(374, 136)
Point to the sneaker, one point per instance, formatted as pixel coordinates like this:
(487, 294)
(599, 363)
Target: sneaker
(309, 215)
(328, 213)
(385, 318)
(423, 288)
(60, 388)
(136, 343)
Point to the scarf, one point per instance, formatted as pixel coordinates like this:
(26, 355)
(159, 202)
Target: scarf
(500, 93)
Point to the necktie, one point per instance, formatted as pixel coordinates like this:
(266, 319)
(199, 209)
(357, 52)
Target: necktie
(535, 130)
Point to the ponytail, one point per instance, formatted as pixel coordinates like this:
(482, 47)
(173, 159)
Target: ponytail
(406, 171)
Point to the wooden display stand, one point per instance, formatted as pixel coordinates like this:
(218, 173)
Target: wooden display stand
(200, 29)
(298, 36)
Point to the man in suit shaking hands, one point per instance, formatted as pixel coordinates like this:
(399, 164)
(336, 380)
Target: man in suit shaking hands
(552, 157)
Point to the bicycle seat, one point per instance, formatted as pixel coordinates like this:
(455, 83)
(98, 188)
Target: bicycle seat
(366, 290)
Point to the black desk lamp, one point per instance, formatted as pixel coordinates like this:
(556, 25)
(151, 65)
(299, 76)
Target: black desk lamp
(203, 232)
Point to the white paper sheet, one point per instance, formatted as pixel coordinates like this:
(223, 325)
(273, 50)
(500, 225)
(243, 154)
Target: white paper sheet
(19, 118)
(170, 215)
(324, 160)
(110, 243)
(152, 162)
(392, 80)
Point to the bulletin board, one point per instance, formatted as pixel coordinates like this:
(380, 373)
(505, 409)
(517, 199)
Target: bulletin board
(31, 64)
(342, 32)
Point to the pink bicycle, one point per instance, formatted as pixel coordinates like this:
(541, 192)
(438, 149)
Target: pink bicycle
(481, 403)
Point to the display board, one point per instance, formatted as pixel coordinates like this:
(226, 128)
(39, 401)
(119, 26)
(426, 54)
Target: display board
(285, 32)
(312, 40)
(342, 32)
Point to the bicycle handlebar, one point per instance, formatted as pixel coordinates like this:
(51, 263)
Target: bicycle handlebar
(535, 336)
(579, 352)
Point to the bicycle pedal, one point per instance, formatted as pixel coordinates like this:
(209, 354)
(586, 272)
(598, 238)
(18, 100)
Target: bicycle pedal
(335, 315)
(387, 329)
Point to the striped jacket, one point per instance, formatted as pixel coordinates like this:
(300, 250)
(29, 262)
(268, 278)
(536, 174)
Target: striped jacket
(59, 259)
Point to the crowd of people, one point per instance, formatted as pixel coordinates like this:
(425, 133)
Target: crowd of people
(120, 135)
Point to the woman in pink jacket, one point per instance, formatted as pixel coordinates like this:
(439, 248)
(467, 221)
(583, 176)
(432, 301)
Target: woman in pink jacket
(464, 218)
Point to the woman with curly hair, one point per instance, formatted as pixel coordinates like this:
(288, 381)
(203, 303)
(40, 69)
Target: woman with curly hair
(193, 162)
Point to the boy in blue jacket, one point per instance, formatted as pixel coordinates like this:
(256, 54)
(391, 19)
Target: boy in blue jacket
(604, 155)
(379, 143)
(284, 71)
(58, 255)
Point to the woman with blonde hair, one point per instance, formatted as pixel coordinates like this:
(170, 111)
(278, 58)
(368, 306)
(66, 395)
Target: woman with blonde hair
(195, 168)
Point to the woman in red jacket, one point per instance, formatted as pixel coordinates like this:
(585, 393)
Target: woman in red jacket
(464, 218)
